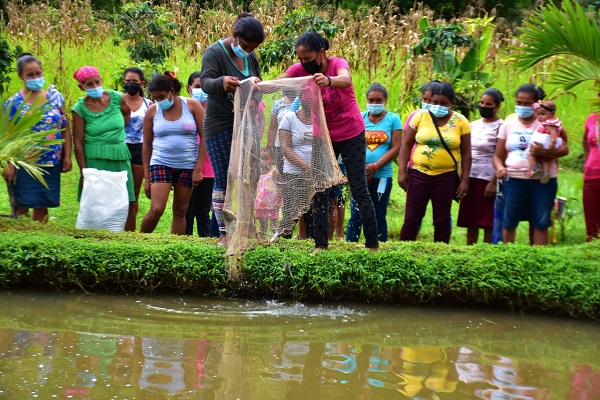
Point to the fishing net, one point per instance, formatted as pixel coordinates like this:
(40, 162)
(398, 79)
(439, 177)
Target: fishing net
(281, 155)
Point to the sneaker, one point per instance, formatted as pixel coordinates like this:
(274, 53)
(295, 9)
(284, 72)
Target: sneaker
(545, 179)
(536, 174)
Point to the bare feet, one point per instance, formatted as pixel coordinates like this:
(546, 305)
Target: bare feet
(318, 249)
(223, 242)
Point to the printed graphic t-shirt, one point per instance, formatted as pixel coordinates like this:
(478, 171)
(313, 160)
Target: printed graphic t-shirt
(379, 140)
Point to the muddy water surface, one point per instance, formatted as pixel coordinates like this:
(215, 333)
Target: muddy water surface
(74, 346)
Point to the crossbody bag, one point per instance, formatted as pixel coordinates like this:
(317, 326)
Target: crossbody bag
(434, 120)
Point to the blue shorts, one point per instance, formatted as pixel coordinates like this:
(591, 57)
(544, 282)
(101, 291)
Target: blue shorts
(528, 200)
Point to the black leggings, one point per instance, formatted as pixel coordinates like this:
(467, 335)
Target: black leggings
(353, 153)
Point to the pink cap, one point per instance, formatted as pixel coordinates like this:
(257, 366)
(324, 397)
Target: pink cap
(85, 72)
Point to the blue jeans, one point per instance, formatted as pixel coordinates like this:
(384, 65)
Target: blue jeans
(528, 199)
(380, 202)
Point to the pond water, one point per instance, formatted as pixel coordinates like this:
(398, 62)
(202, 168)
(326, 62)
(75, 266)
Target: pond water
(82, 346)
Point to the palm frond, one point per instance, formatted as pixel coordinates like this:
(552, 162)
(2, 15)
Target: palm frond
(570, 74)
(551, 31)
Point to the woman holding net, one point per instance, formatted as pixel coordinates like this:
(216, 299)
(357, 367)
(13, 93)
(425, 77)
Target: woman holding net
(224, 64)
(346, 129)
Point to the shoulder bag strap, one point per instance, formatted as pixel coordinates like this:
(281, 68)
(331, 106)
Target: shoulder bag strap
(434, 120)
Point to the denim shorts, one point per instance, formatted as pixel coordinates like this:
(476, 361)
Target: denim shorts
(528, 200)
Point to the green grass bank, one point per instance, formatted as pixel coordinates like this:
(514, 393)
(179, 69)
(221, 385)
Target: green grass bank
(563, 280)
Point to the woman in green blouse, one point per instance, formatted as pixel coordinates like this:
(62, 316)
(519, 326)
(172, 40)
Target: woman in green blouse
(99, 121)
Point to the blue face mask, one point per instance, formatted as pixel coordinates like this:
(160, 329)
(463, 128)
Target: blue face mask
(199, 95)
(438, 111)
(238, 51)
(375, 109)
(165, 104)
(425, 106)
(95, 93)
(523, 111)
(35, 84)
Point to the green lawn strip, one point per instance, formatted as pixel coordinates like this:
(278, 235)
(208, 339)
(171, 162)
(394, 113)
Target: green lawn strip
(557, 279)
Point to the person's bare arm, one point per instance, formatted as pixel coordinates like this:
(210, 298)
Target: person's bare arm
(341, 80)
(537, 150)
(148, 132)
(500, 158)
(553, 131)
(465, 165)
(585, 144)
(125, 110)
(67, 164)
(78, 127)
(408, 142)
(198, 113)
(285, 139)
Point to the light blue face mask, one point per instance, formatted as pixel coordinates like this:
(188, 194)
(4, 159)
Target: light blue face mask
(438, 111)
(375, 109)
(35, 84)
(199, 95)
(381, 187)
(165, 104)
(523, 111)
(95, 93)
(238, 51)
(425, 106)
(295, 104)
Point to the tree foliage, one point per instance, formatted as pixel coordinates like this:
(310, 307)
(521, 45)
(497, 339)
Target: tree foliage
(7, 59)
(441, 42)
(149, 30)
(280, 49)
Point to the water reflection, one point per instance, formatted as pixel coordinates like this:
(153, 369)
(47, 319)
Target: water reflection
(182, 348)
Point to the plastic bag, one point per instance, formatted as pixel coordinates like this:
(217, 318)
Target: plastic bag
(104, 200)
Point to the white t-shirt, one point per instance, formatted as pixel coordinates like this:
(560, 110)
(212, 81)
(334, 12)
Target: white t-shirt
(302, 140)
(483, 145)
(518, 138)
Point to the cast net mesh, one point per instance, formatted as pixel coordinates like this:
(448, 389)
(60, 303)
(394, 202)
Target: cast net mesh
(281, 155)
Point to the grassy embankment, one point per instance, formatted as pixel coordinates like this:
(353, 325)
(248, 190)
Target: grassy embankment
(555, 279)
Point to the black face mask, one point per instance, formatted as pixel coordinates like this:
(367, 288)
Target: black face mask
(132, 88)
(486, 112)
(311, 67)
